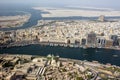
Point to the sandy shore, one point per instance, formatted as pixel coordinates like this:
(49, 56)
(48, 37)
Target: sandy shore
(13, 21)
(61, 12)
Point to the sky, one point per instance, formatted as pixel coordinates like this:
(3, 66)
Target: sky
(86, 3)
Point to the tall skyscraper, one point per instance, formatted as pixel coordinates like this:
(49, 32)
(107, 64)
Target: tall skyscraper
(91, 39)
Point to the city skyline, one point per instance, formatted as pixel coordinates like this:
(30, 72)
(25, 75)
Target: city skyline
(59, 40)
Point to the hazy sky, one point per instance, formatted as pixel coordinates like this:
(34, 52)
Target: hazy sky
(92, 3)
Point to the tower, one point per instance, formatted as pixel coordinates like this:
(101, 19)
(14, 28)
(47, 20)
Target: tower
(101, 18)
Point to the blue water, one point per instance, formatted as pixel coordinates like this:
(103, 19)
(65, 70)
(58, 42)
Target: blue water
(35, 15)
(102, 55)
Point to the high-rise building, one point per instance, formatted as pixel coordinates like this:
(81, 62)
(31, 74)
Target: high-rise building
(119, 41)
(91, 39)
(115, 40)
(83, 42)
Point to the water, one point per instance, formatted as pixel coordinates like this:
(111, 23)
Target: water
(80, 18)
(35, 16)
(101, 55)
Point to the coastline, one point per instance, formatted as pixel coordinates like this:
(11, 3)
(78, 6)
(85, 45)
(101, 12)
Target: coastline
(27, 43)
(34, 17)
(101, 55)
(49, 12)
(96, 63)
(14, 21)
(46, 63)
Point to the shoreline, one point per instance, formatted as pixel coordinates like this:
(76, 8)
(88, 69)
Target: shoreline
(66, 59)
(21, 44)
(14, 21)
(33, 49)
(67, 12)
